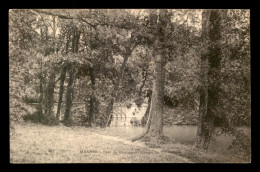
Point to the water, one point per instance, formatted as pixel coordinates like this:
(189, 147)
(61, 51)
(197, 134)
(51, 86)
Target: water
(186, 133)
(181, 133)
(123, 115)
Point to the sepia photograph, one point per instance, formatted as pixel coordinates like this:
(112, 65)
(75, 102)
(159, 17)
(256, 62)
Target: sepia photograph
(129, 86)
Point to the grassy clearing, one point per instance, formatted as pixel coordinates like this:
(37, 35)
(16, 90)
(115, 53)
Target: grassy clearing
(201, 156)
(59, 144)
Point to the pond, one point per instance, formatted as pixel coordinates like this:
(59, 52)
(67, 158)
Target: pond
(186, 132)
(181, 133)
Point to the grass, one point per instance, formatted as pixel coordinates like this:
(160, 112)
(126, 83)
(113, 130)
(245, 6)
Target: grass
(59, 144)
(200, 155)
(34, 143)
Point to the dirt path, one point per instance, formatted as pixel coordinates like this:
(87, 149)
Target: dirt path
(60, 144)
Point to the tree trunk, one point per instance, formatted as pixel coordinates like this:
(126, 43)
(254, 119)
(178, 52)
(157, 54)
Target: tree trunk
(73, 41)
(51, 94)
(114, 93)
(145, 117)
(77, 37)
(143, 84)
(70, 86)
(155, 127)
(69, 96)
(40, 105)
(48, 100)
(68, 42)
(62, 80)
(210, 71)
(92, 100)
(109, 111)
(201, 131)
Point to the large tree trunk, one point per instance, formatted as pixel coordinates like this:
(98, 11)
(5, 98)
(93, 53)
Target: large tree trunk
(204, 80)
(155, 126)
(210, 71)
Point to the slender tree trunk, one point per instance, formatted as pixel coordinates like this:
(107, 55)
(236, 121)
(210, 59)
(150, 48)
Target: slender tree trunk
(109, 111)
(114, 93)
(62, 80)
(203, 101)
(54, 34)
(70, 88)
(68, 42)
(40, 105)
(143, 84)
(145, 117)
(48, 100)
(73, 41)
(92, 100)
(77, 37)
(69, 96)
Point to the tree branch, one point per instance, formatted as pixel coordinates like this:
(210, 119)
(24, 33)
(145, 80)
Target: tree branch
(64, 17)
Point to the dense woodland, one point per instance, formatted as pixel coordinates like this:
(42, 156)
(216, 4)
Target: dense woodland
(194, 59)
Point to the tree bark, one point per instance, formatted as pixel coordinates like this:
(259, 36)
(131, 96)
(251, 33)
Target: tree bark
(62, 80)
(69, 96)
(116, 87)
(155, 128)
(210, 72)
(204, 80)
(92, 100)
(145, 117)
(143, 84)
(40, 105)
(48, 100)
(70, 87)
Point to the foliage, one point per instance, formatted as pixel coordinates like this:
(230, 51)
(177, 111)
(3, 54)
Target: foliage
(118, 45)
(241, 146)
(233, 108)
(17, 91)
(236, 67)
